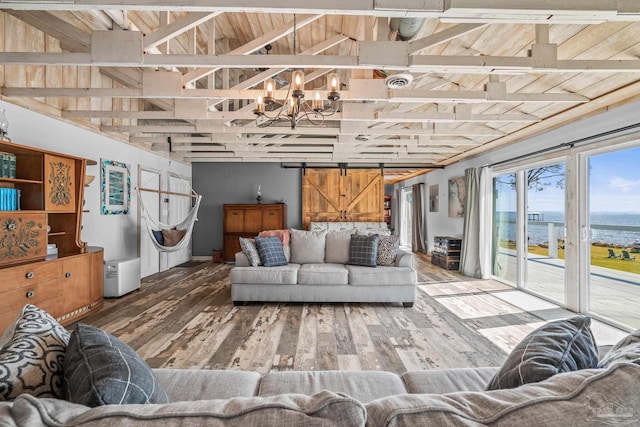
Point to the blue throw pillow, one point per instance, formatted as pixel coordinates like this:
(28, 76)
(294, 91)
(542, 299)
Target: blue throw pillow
(159, 237)
(99, 369)
(363, 250)
(271, 251)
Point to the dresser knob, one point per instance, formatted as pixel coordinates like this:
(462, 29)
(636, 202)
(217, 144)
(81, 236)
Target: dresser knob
(67, 275)
(30, 275)
(30, 294)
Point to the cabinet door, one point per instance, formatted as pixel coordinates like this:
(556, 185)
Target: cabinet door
(272, 218)
(231, 246)
(59, 184)
(321, 196)
(75, 287)
(23, 236)
(363, 192)
(233, 220)
(253, 221)
(97, 277)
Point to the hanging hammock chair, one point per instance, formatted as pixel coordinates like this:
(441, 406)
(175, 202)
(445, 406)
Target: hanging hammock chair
(157, 230)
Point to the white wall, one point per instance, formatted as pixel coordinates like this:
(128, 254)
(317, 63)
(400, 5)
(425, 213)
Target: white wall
(117, 234)
(439, 224)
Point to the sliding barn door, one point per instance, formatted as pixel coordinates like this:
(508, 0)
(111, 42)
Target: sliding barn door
(363, 191)
(321, 200)
(333, 195)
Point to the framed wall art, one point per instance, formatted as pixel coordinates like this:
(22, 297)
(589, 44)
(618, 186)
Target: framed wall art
(457, 196)
(115, 187)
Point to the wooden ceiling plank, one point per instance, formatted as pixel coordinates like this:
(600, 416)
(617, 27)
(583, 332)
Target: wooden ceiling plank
(176, 27)
(442, 36)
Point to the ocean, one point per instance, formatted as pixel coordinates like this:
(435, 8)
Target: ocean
(538, 231)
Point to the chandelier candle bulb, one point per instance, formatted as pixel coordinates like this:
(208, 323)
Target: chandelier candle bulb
(317, 103)
(333, 84)
(269, 87)
(297, 84)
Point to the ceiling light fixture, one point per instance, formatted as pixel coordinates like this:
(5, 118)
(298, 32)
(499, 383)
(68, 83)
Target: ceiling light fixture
(294, 108)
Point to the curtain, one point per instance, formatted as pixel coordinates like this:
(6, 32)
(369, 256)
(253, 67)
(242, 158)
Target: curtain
(470, 257)
(418, 235)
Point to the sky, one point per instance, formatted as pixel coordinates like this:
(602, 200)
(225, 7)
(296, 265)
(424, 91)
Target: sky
(614, 186)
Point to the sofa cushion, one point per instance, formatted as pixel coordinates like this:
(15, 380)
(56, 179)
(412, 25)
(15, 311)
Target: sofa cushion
(322, 409)
(99, 369)
(363, 386)
(250, 250)
(388, 250)
(337, 246)
(271, 251)
(307, 246)
(625, 350)
(32, 355)
(589, 397)
(282, 275)
(558, 346)
(323, 274)
(206, 384)
(363, 250)
(383, 276)
(441, 381)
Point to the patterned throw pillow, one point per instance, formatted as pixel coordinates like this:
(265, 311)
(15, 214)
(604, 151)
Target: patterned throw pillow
(271, 251)
(363, 250)
(249, 248)
(388, 250)
(556, 347)
(284, 235)
(100, 369)
(32, 356)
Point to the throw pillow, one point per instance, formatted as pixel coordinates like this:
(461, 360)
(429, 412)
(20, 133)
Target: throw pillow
(32, 356)
(363, 250)
(271, 251)
(388, 250)
(337, 246)
(172, 237)
(158, 236)
(625, 350)
(249, 248)
(100, 369)
(307, 246)
(558, 346)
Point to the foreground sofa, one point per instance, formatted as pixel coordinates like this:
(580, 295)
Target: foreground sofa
(319, 272)
(451, 397)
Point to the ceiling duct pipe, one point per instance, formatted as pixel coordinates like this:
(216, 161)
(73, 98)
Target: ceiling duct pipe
(407, 28)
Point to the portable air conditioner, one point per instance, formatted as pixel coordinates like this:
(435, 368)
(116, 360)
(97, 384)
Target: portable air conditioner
(121, 276)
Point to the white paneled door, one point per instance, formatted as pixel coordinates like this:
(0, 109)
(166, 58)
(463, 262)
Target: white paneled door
(149, 255)
(179, 207)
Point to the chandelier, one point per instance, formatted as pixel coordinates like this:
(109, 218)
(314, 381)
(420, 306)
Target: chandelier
(294, 108)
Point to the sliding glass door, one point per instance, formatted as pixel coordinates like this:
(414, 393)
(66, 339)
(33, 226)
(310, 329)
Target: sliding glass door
(612, 253)
(529, 229)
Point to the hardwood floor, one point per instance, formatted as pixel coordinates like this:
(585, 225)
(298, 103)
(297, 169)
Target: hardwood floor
(184, 318)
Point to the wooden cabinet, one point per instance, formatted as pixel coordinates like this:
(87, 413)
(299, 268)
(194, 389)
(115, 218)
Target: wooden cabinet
(342, 195)
(446, 252)
(68, 288)
(51, 187)
(247, 220)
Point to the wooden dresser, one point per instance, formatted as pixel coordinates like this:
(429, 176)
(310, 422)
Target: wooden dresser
(446, 252)
(247, 220)
(51, 194)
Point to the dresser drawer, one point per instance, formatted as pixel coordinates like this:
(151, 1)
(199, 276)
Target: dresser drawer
(24, 275)
(32, 294)
(53, 306)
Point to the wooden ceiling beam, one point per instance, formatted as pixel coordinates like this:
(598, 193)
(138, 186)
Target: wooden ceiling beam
(177, 27)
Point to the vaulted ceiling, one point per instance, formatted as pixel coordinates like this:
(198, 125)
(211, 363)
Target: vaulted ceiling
(424, 83)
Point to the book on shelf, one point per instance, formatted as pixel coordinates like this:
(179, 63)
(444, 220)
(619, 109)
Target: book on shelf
(9, 199)
(7, 165)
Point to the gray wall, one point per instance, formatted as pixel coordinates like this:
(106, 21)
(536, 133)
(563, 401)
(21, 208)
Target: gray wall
(226, 183)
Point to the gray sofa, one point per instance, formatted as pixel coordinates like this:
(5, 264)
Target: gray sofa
(310, 278)
(452, 397)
